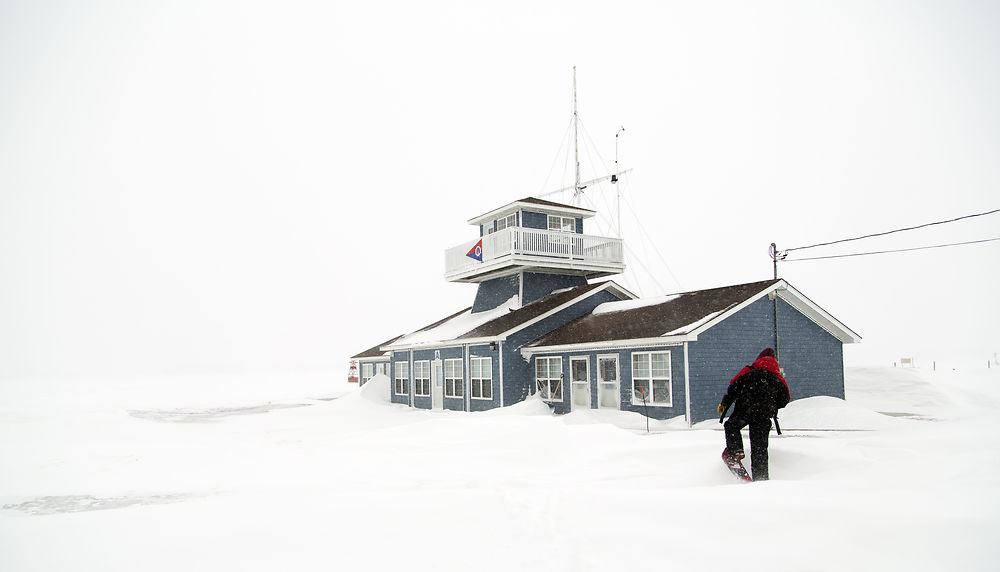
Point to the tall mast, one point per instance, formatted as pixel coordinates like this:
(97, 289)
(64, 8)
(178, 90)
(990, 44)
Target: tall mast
(614, 179)
(576, 149)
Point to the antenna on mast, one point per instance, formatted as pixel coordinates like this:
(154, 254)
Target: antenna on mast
(614, 180)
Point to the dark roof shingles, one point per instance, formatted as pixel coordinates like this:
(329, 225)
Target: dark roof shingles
(529, 312)
(651, 321)
(375, 351)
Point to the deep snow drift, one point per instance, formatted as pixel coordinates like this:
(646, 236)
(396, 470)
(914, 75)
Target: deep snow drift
(302, 473)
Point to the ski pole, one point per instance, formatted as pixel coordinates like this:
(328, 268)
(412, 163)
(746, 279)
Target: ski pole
(776, 426)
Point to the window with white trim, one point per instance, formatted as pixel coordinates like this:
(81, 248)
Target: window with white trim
(367, 372)
(453, 378)
(380, 368)
(481, 377)
(402, 377)
(506, 222)
(548, 378)
(651, 378)
(422, 378)
(562, 223)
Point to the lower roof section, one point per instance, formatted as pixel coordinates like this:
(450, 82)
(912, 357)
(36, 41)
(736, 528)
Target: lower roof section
(676, 318)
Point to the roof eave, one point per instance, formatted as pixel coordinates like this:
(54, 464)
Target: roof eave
(528, 352)
(519, 205)
(439, 344)
(821, 317)
(797, 300)
(610, 285)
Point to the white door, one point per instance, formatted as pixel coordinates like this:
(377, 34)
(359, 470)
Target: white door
(607, 382)
(579, 371)
(437, 385)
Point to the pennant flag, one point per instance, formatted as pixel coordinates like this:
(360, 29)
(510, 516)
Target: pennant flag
(477, 251)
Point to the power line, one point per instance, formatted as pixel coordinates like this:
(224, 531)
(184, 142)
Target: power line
(787, 250)
(889, 251)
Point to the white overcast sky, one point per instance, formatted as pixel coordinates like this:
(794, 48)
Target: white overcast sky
(242, 186)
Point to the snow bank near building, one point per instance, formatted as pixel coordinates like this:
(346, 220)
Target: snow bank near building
(306, 474)
(377, 389)
(829, 413)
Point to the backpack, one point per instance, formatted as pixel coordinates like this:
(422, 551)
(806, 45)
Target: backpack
(761, 392)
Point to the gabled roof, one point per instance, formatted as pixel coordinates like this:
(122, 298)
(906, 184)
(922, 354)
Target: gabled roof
(534, 204)
(498, 323)
(678, 317)
(375, 352)
(537, 308)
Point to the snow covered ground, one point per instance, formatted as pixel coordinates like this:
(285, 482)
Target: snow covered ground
(304, 473)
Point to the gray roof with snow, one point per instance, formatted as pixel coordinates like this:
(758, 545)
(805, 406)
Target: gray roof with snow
(680, 316)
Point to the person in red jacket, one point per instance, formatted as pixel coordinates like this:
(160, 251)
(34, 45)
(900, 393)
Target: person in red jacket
(758, 391)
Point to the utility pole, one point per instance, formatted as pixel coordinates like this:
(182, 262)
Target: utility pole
(774, 258)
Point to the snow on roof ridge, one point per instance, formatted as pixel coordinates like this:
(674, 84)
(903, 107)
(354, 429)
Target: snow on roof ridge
(694, 325)
(459, 324)
(624, 305)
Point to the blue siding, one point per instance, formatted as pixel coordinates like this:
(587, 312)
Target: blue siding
(677, 407)
(421, 401)
(537, 286)
(723, 350)
(678, 398)
(361, 368)
(519, 375)
(812, 358)
(397, 357)
(492, 293)
(531, 219)
(476, 404)
(454, 403)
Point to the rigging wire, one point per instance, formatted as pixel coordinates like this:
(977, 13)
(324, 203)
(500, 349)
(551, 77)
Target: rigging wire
(787, 250)
(555, 160)
(590, 149)
(638, 260)
(629, 280)
(890, 251)
(649, 240)
(633, 254)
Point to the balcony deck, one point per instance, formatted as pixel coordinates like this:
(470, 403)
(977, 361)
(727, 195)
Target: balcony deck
(528, 249)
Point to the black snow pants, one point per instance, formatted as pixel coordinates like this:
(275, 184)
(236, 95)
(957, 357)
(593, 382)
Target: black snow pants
(760, 428)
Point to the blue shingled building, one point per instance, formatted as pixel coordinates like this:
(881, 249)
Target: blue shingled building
(540, 325)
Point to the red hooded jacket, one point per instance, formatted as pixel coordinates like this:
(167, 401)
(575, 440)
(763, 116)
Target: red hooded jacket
(765, 362)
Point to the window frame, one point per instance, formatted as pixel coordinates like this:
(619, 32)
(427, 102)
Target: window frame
(401, 378)
(652, 379)
(562, 226)
(481, 383)
(422, 383)
(367, 372)
(453, 380)
(547, 394)
(505, 222)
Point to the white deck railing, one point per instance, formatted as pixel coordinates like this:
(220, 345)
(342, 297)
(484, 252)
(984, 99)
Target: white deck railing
(556, 247)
